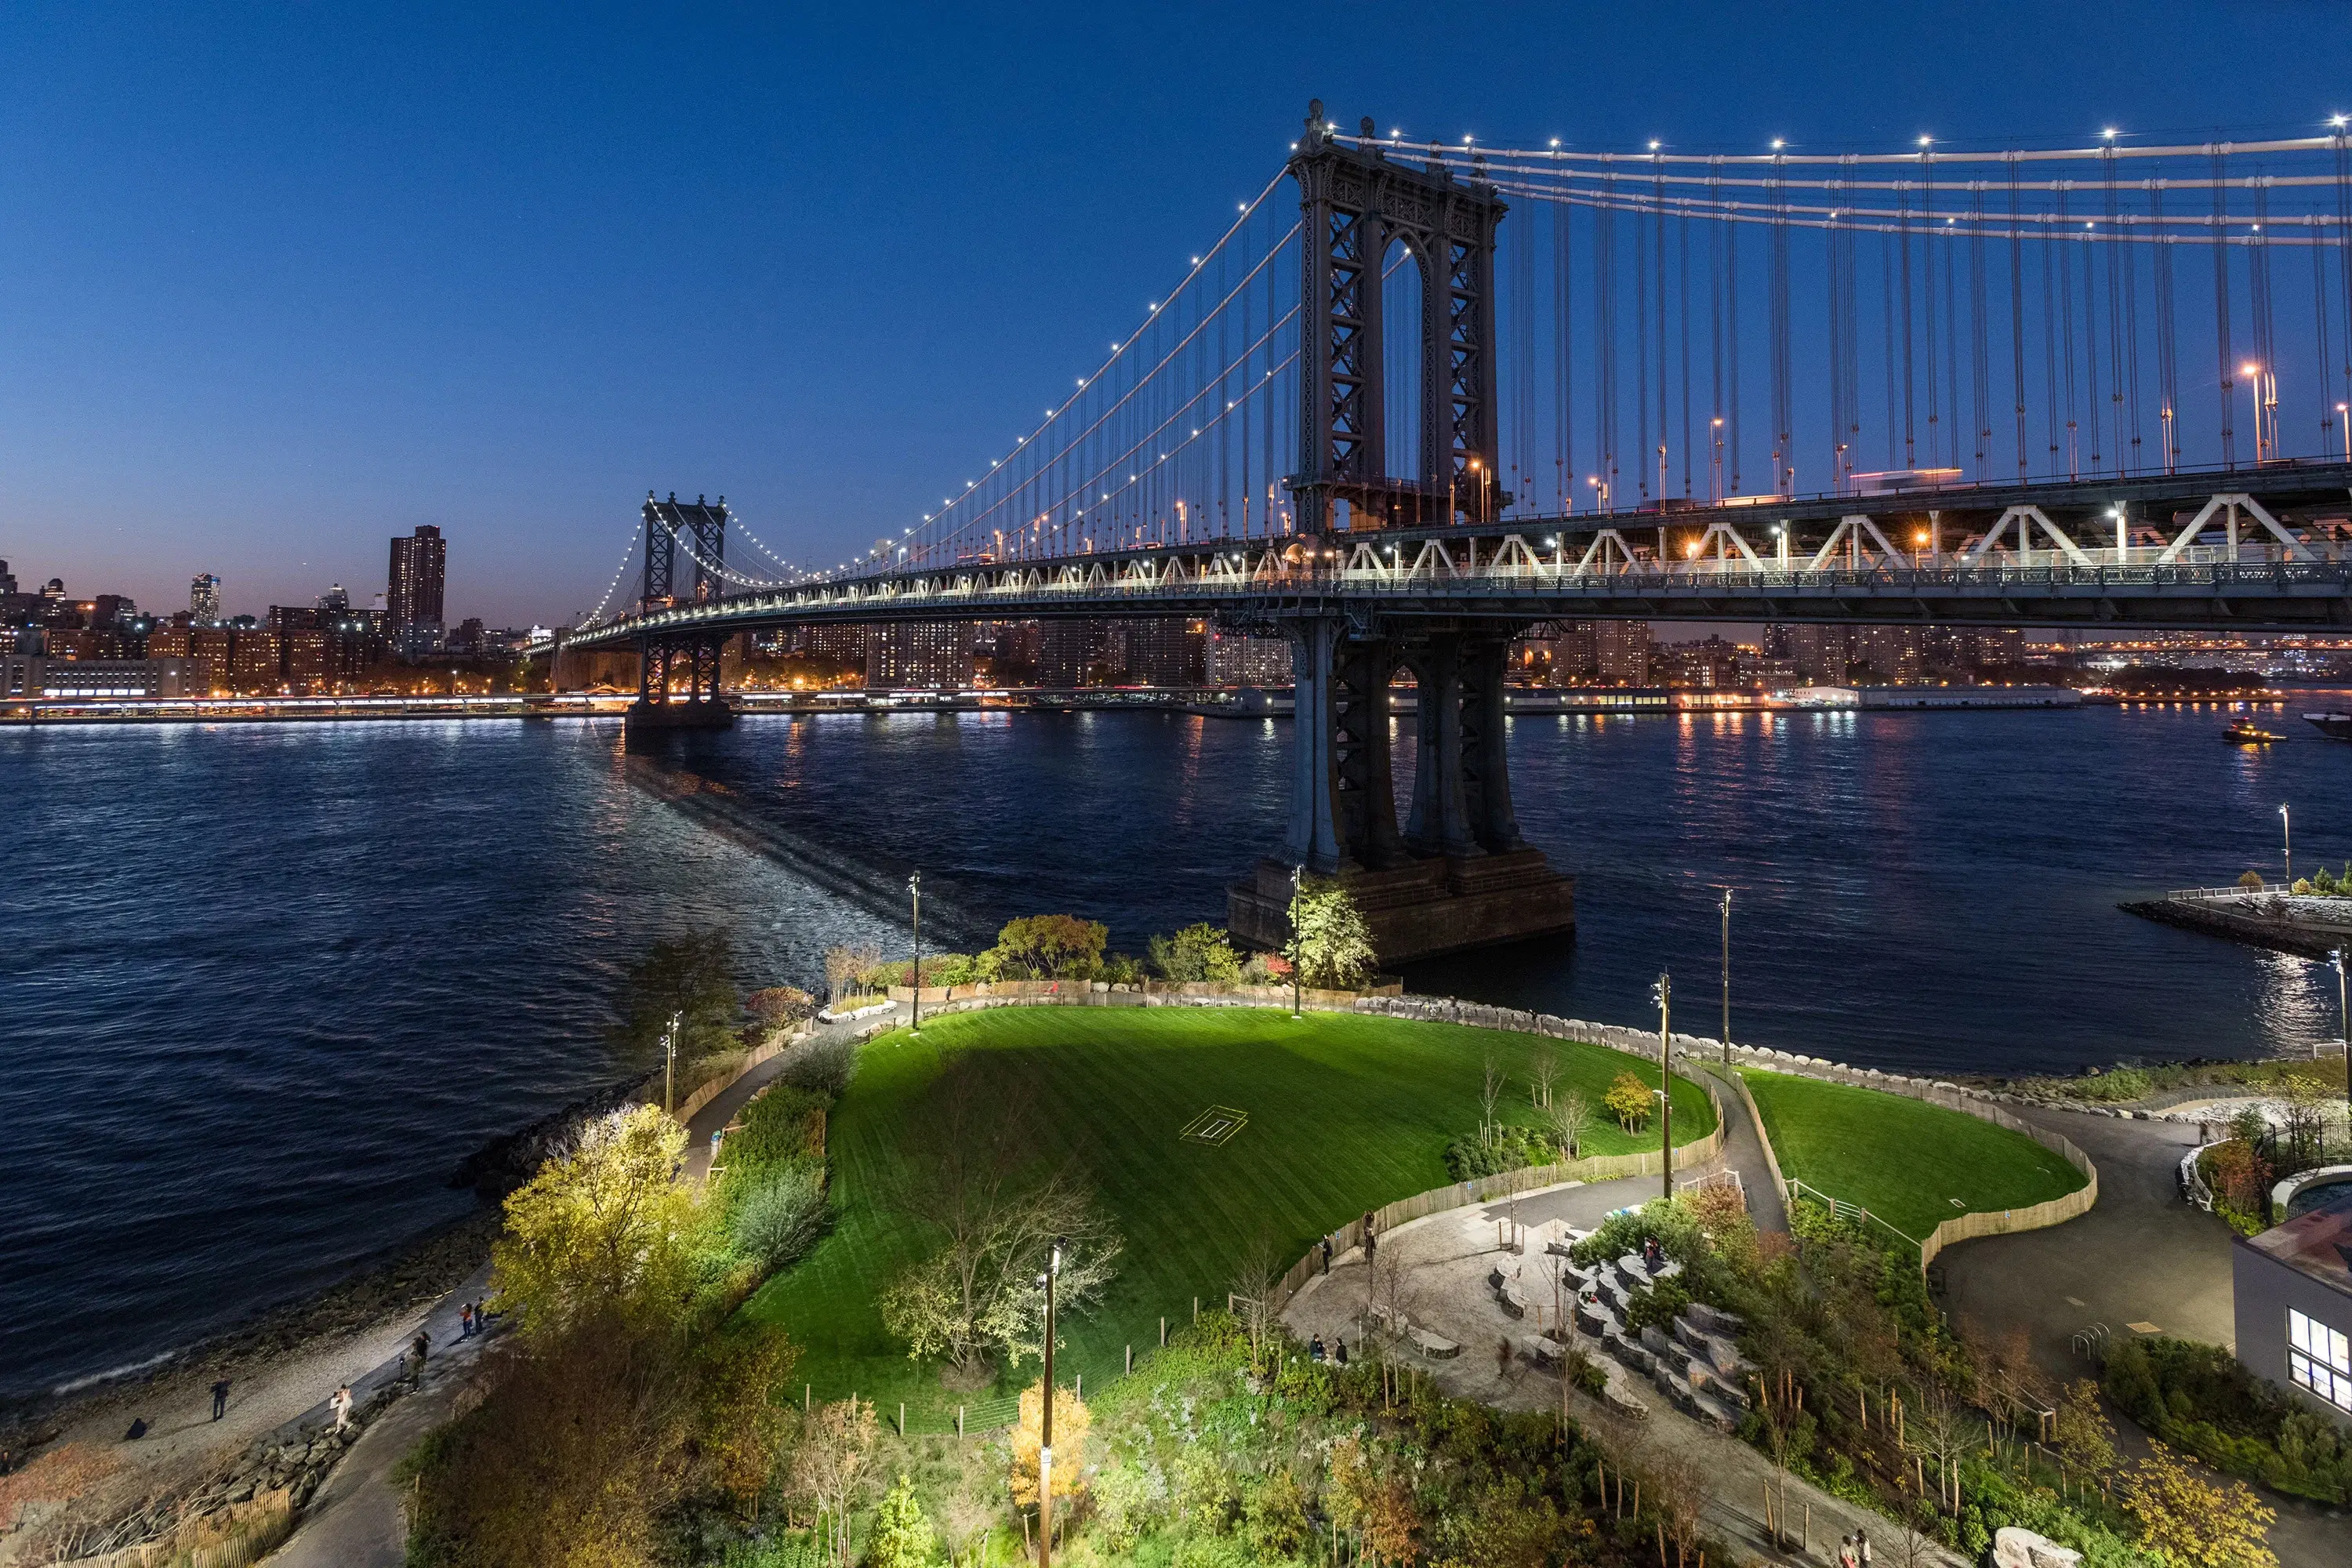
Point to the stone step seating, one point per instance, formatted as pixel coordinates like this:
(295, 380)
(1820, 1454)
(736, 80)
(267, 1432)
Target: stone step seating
(1507, 1294)
(1433, 1346)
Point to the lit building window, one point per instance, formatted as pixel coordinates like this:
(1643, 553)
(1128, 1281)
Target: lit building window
(2320, 1359)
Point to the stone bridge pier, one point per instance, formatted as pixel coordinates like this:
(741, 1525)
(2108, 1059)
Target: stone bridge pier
(1458, 875)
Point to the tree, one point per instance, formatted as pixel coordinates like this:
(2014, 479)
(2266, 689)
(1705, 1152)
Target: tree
(1256, 1272)
(1543, 1071)
(2085, 1436)
(994, 1205)
(743, 1427)
(1628, 1099)
(829, 1464)
(845, 969)
(1071, 1419)
(901, 1537)
(2251, 880)
(2194, 1522)
(1329, 942)
(1049, 947)
(1490, 1094)
(1570, 1118)
(1197, 952)
(691, 978)
(604, 1226)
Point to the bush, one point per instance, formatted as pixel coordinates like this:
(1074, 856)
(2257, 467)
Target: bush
(2202, 1399)
(1629, 1100)
(785, 1123)
(1048, 947)
(1198, 952)
(1512, 1148)
(781, 1215)
(779, 1007)
(1656, 1306)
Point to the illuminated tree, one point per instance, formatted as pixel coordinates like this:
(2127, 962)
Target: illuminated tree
(1071, 1420)
(604, 1226)
(1329, 940)
(2192, 1521)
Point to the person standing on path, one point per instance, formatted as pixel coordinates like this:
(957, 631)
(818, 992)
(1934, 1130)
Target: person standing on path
(220, 1399)
(466, 1322)
(1327, 1255)
(342, 1405)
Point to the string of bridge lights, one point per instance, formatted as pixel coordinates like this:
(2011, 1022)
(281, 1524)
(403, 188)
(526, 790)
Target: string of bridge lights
(596, 615)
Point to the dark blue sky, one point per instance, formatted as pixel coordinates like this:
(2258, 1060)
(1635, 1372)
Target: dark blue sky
(277, 280)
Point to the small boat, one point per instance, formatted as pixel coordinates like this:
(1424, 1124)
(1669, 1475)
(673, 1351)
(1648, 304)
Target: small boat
(2245, 732)
(2334, 726)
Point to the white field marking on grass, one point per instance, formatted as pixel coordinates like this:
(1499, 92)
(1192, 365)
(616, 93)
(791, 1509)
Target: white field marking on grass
(1216, 1126)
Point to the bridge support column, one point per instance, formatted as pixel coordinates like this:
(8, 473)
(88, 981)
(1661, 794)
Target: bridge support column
(659, 707)
(1461, 877)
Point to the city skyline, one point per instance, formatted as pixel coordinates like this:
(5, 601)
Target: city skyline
(637, 304)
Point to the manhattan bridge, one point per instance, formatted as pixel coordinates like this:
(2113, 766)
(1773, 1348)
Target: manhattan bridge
(1430, 395)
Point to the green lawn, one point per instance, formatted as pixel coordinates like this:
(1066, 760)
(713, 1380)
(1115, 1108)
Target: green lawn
(1902, 1159)
(1346, 1113)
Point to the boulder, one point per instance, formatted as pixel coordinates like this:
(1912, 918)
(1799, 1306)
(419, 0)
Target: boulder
(2015, 1548)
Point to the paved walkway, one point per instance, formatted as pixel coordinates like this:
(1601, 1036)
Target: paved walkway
(1442, 1262)
(738, 1094)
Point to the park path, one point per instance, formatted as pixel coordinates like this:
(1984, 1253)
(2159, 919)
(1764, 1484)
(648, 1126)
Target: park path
(355, 1520)
(1445, 1260)
(2141, 1257)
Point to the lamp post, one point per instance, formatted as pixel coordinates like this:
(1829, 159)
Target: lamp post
(914, 892)
(1298, 876)
(2344, 1022)
(2286, 831)
(1726, 907)
(1663, 992)
(669, 1060)
(1046, 1428)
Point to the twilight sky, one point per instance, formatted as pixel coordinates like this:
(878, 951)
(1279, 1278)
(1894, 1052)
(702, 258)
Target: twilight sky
(280, 280)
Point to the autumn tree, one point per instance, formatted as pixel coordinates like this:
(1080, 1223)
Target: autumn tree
(1049, 947)
(831, 1463)
(744, 1428)
(2192, 1521)
(1071, 1419)
(1628, 1101)
(1329, 942)
(1197, 952)
(993, 1205)
(604, 1228)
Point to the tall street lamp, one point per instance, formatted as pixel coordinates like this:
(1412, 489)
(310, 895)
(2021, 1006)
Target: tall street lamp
(1726, 907)
(1297, 948)
(914, 892)
(1046, 1429)
(1663, 992)
(669, 1060)
(2286, 831)
(2344, 1022)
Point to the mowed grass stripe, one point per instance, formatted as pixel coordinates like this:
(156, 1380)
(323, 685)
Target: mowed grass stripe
(1902, 1159)
(1346, 1113)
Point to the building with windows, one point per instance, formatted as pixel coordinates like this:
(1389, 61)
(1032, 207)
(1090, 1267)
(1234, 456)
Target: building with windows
(1621, 651)
(932, 656)
(412, 595)
(2292, 1289)
(31, 678)
(205, 600)
(1230, 659)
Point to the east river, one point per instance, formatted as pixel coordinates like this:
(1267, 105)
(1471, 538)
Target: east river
(262, 987)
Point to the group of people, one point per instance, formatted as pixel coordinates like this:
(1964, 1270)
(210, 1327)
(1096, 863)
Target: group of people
(1853, 1551)
(1337, 1353)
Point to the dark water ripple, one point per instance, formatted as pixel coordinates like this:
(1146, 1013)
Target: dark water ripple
(262, 987)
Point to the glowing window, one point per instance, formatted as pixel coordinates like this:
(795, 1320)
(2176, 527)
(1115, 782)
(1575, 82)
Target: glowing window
(2320, 1359)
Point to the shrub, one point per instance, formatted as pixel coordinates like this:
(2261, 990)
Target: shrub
(1198, 952)
(781, 1216)
(2202, 1399)
(1331, 942)
(1120, 969)
(1656, 1305)
(785, 1123)
(1512, 1148)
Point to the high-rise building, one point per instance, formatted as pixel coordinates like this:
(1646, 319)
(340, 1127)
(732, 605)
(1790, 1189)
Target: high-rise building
(1233, 660)
(7, 579)
(1621, 650)
(203, 599)
(413, 596)
(926, 655)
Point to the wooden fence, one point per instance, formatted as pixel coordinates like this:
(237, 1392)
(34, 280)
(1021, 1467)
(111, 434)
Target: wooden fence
(778, 1042)
(1950, 1097)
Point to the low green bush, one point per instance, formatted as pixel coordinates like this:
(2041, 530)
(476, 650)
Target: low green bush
(1198, 952)
(2200, 1398)
(1511, 1149)
(781, 1213)
(785, 1124)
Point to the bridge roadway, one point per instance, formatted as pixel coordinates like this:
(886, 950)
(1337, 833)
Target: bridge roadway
(2248, 549)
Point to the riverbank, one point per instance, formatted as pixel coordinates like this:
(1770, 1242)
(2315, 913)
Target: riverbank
(2274, 919)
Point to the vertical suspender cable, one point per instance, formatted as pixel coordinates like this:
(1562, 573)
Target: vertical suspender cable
(1683, 309)
(1979, 369)
(2017, 311)
(1642, 354)
(1564, 446)
(2343, 249)
(1715, 309)
(1895, 429)
(2167, 347)
(1910, 431)
(1658, 272)
(1604, 344)
(1837, 354)
(2050, 382)
(1731, 338)
(1951, 348)
(2319, 314)
(1783, 475)
(2258, 289)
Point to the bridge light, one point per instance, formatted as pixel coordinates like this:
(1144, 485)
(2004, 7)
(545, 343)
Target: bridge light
(1927, 141)
(1653, 146)
(2109, 133)
(1778, 143)
(1554, 141)
(2337, 121)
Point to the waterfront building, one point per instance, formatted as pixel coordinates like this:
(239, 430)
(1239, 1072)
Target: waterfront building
(413, 594)
(931, 655)
(2290, 1289)
(204, 599)
(253, 664)
(24, 678)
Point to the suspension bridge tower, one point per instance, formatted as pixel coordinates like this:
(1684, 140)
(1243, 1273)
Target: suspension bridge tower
(695, 530)
(1458, 875)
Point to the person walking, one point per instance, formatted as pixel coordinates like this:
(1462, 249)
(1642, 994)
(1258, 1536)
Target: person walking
(1845, 1557)
(1861, 1547)
(419, 1347)
(342, 1405)
(466, 1322)
(1340, 1349)
(220, 1399)
(1327, 1255)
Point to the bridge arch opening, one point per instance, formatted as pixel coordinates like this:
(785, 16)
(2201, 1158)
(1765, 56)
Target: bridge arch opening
(1404, 290)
